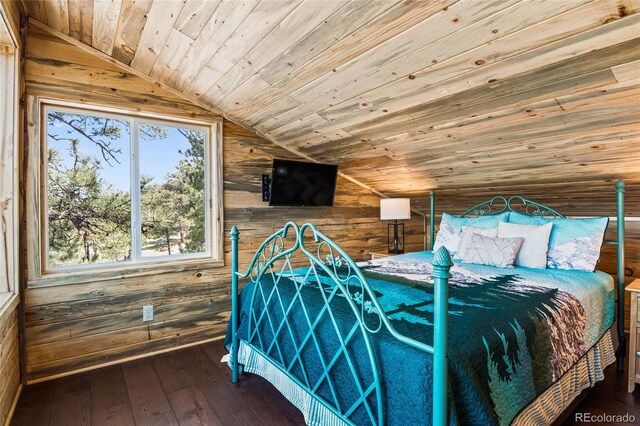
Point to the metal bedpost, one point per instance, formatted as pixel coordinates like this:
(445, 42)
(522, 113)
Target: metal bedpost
(441, 265)
(622, 348)
(424, 232)
(234, 304)
(432, 219)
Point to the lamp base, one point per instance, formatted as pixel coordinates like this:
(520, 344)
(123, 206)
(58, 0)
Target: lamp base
(395, 244)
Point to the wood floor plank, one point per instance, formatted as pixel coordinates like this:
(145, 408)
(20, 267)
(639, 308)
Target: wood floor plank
(163, 419)
(215, 352)
(115, 415)
(172, 373)
(145, 391)
(72, 386)
(33, 416)
(261, 396)
(71, 401)
(191, 407)
(211, 381)
(109, 398)
(258, 394)
(34, 405)
(72, 411)
(246, 417)
(36, 394)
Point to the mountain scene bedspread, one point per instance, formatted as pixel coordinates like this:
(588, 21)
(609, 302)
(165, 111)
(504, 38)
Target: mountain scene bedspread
(512, 334)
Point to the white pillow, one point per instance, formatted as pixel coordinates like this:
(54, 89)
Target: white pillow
(467, 232)
(533, 253)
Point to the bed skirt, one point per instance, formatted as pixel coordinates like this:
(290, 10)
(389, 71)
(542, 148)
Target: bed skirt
(315, 414)
(546, 408)
(549, 405)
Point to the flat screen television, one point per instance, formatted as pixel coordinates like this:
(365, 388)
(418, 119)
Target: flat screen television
(296, 183)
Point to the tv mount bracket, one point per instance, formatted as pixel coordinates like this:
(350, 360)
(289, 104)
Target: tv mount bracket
(266, 182)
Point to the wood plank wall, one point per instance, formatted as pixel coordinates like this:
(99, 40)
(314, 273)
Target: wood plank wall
(9, 342)
(9, 361)
(79, 326)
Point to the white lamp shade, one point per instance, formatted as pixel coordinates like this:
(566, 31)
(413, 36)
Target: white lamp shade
(395, 208)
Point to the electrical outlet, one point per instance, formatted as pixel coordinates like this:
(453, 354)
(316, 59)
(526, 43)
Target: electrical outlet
(147, 313)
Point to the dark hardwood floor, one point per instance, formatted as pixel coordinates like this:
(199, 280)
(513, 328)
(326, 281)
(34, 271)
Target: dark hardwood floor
(192, 387)
(186, 387)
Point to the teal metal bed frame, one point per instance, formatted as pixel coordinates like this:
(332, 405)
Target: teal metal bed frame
(324, 258)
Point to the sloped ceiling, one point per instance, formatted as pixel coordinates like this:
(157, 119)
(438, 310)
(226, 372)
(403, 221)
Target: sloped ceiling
(464, 96)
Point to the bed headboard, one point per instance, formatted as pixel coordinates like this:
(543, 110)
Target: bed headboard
(501, 204)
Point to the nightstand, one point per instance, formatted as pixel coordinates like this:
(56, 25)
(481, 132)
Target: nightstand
(634, 335)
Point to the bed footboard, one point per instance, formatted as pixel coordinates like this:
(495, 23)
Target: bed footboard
(335, 331)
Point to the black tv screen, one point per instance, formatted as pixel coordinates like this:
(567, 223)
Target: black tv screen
(296, 183)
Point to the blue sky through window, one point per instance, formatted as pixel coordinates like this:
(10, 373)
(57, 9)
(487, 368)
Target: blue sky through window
(158, 157)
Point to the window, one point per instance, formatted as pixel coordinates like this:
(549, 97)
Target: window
(122, 189)
(8, 166)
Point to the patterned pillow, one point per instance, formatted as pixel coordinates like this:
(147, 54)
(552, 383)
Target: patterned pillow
(500, 252)
(451, 226)
(574, 243)
(533, 253)
(467, 232)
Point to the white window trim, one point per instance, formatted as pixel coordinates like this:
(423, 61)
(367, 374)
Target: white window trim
(40, 274)
(9, 89)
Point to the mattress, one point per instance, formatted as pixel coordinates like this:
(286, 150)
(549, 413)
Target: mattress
(514, 334)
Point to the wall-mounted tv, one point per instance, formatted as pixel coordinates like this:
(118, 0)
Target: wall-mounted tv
(296, 183)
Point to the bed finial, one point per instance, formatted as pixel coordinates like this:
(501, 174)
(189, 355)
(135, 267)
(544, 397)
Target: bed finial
(620, 186)
(442, 258)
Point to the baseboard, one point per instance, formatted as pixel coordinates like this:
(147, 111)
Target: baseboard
(13, 405)
(121, 361)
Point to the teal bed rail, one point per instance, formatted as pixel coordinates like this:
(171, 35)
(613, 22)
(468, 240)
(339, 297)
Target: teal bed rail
(324, 259)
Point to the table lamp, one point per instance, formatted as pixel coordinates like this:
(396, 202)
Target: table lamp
(395, 209)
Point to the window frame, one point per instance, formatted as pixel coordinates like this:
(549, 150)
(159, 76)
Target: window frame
(41, 273)
(9, 291)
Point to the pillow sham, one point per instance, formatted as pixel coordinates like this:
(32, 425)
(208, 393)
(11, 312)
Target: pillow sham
(574, 244)
(451, 226)
(500, 252)
(533, 253)
(466, 233)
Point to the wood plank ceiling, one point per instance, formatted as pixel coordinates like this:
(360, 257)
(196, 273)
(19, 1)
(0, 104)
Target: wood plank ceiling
(405, 95)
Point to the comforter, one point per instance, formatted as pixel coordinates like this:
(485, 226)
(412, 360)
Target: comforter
(512, 334)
